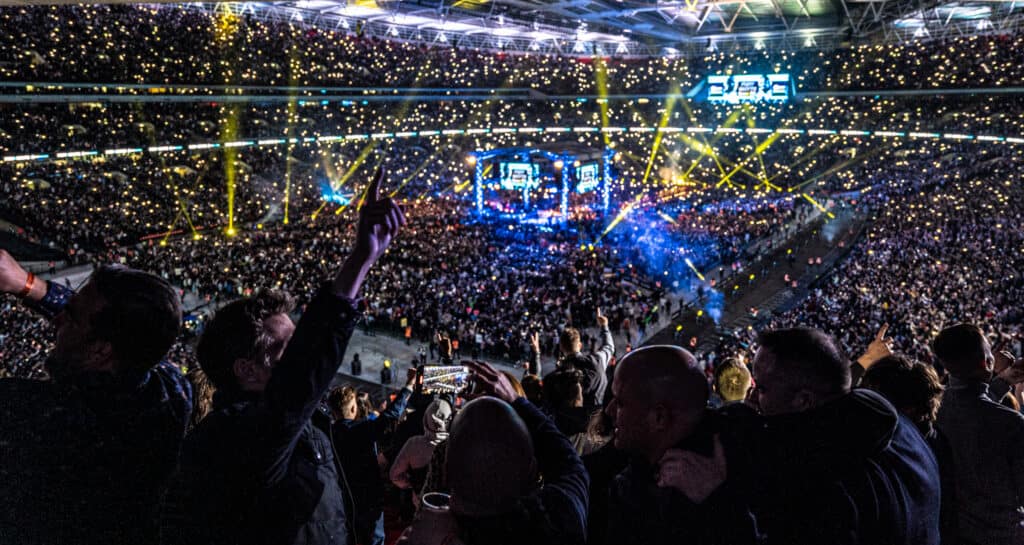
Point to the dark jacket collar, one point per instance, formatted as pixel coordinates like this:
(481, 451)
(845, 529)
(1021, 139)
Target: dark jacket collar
(841, 433)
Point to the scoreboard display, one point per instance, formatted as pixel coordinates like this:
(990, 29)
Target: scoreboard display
(738, 88)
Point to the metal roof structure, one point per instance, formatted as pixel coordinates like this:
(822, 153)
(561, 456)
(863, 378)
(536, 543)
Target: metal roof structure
(640, 27)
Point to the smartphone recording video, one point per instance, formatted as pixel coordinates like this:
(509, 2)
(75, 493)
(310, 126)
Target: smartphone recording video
(443, 379)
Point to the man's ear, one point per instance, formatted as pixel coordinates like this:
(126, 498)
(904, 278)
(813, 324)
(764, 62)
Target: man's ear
(660, 417)
(804, 400)
(100, 356)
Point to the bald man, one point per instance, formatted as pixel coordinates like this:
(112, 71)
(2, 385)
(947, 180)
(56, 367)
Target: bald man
(499, 448)
(659, 405)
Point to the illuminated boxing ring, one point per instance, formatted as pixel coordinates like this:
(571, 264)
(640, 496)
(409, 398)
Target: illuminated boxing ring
(536, 171)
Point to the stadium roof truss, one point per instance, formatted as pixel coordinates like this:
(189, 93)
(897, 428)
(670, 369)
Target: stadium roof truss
(628, 28)
(664, 27)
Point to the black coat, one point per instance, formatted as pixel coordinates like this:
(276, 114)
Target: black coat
(642, 513)
(357, 443)
(87, 462)
(261, 468)
(850, 472)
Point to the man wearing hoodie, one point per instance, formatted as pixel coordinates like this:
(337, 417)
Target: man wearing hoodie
(592, 365)
(823, 464)
(409, 469)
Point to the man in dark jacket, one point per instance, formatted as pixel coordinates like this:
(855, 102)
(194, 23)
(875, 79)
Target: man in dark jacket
(824, 464)
(261, 468)
(592, 365)
(986, 439)
(658, 406)
(85, 456)
(357, 444)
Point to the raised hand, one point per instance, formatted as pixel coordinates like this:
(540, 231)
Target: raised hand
(379, 221)
(880, 347)
(14, 279)
(1006, 366)
(535, 342)
(602, 320)
(489, 381)
(12, 276)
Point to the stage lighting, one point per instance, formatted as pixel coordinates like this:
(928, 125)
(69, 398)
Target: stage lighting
(471, 160)
(559, 164)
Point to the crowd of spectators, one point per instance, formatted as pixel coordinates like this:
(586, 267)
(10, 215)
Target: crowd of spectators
(895, 420)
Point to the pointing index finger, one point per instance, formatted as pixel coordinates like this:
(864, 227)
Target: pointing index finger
(882, 331)
(373, 190)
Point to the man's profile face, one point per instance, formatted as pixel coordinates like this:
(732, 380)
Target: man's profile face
(279, 328)
(75, 347)
(771, 394)
(629, 415)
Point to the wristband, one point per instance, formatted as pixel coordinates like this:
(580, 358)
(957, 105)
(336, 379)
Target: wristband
(30, 282)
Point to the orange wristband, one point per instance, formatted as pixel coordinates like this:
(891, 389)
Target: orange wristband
(29, 283)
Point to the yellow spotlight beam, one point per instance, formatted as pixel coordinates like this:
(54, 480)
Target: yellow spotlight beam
(415, 172)
(817, 205)
(841, 166)
(294, 66)
(757, 151)
(694, 269)
(229, 131)
(601, 78)
(626, 210)
(670, 106)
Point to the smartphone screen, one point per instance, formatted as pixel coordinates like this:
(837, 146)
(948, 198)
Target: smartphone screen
(443, 379)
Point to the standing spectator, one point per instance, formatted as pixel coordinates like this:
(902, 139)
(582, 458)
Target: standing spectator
(260, 468)
(409, 470)
(357, 365)
(659, 408)
(385, 373)
(85, 456)
(914, 389)
(503, 501)
(987, 439)
(731, 383)
(563, 398)
(592, 365)
(357, 441)
(824, 464)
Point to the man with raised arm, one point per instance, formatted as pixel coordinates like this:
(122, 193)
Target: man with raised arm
(84, 456)
(261, 467)
(593, 365)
